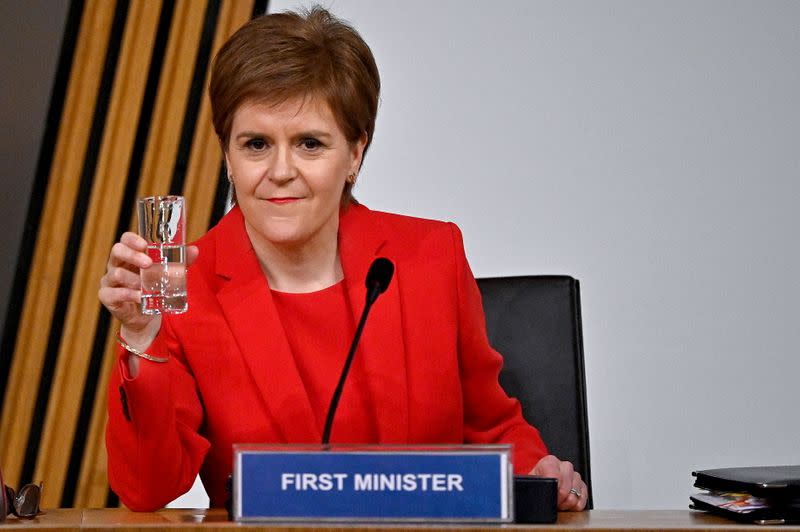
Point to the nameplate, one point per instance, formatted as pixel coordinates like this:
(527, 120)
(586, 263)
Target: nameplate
(372, 483)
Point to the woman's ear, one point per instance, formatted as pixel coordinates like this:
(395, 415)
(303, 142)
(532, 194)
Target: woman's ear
(358, 152)
(228, 167)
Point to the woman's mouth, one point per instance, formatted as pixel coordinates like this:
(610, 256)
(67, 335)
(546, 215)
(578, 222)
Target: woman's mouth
(282, 201)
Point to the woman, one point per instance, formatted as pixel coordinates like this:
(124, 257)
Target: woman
(277, 285)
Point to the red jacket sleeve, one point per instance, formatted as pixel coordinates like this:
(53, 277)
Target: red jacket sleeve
(490, 416)
(154, 448)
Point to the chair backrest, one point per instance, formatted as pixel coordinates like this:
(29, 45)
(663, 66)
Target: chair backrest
(535, 323)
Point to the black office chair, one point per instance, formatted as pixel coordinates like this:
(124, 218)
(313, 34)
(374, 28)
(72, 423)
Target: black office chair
(535, 323)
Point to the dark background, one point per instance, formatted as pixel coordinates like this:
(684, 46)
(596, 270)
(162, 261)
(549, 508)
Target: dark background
(30, 39)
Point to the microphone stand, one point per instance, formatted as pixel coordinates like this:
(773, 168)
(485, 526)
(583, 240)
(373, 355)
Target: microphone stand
(378, 279)
(326, 434)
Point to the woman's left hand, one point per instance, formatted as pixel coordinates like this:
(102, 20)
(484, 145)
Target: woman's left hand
(572, 492)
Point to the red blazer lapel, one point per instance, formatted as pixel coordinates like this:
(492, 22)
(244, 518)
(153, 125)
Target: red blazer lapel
(247, 304)
(382, 350)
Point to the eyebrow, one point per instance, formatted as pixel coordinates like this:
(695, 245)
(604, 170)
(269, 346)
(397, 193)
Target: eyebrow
(313, 133)
(248, 135)
(302, 134)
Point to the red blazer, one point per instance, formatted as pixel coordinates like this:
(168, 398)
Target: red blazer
(231, 377)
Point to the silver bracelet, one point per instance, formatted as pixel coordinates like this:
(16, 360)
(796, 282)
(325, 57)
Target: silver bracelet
(141, 354)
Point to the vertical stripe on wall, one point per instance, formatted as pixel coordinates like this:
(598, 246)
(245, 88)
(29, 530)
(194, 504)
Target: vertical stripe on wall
(25, 253)
(128, 117)
(79, 442)
(42, 279)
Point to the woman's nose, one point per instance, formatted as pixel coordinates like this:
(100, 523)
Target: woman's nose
(282, 168)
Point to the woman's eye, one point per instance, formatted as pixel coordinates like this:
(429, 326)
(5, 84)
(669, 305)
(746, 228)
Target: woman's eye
(256, 144)
(310, 144)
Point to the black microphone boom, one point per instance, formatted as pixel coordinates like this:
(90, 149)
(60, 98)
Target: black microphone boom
(378, 279)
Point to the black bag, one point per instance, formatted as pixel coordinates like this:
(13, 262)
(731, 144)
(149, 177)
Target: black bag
(763, 495)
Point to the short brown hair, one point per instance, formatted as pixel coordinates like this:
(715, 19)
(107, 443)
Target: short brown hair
(274, 58)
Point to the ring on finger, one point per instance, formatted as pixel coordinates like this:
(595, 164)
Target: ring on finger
(575, 492)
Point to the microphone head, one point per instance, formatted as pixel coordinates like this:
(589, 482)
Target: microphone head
(379, 275)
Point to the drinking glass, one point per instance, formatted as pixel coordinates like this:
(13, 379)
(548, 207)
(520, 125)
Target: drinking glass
(162, 222)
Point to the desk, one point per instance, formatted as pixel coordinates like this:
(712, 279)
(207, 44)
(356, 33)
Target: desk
(213, 520)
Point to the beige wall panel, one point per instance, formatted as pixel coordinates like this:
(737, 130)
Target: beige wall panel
(174, 84)
(202, 176)
(96, 241)
(92, 487)
(59, 201)
(173, 93)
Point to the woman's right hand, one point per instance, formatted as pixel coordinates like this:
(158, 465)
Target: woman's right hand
(120, 290)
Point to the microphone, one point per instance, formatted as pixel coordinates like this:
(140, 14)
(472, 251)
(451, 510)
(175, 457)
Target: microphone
(378, 279)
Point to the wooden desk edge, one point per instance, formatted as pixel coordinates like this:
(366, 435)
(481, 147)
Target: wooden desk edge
(211, 520)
